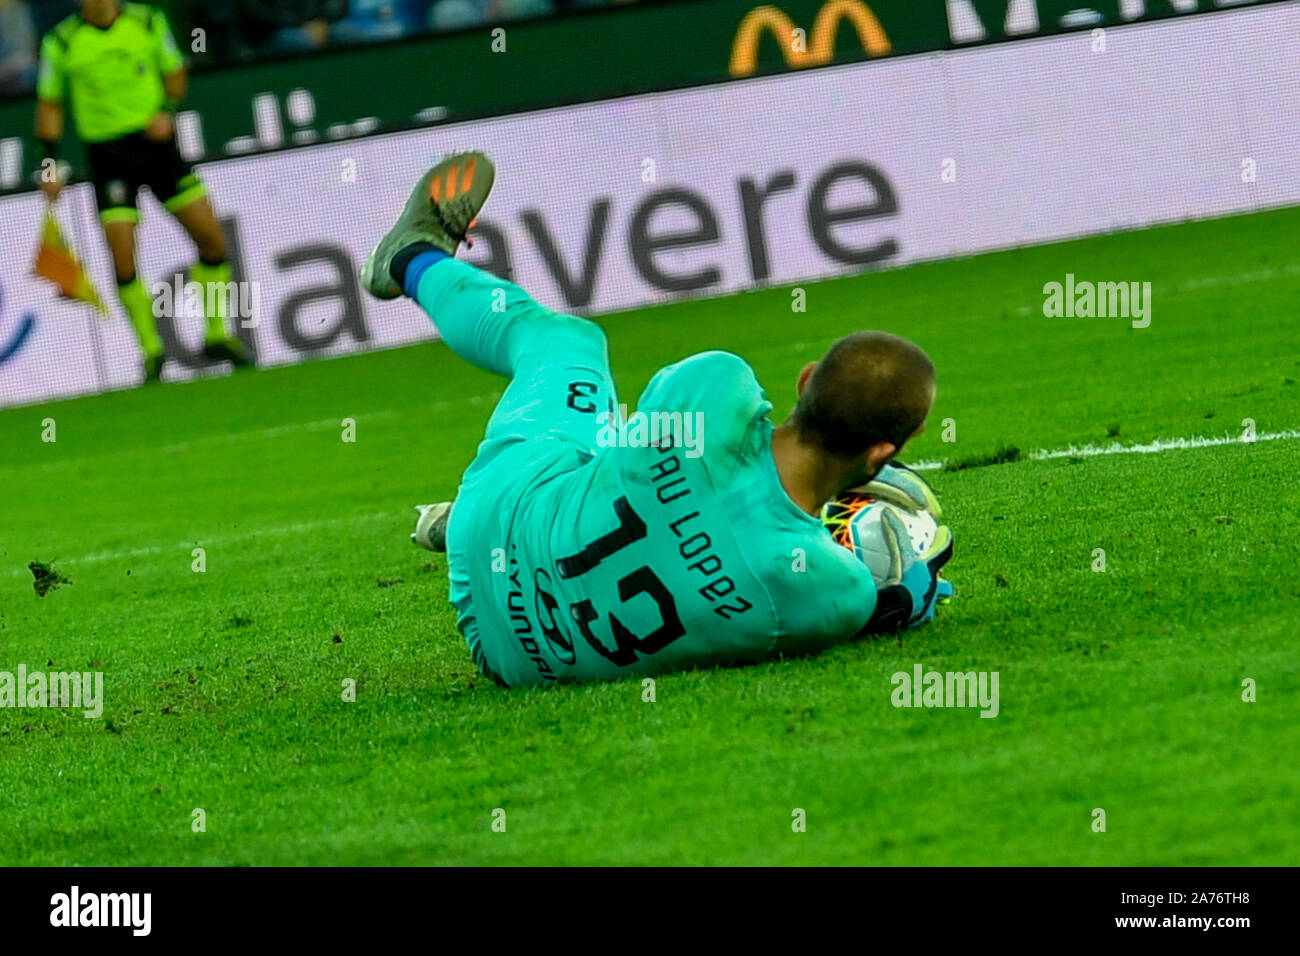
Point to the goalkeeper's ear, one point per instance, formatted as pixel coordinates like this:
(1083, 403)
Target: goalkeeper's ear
(804, 374)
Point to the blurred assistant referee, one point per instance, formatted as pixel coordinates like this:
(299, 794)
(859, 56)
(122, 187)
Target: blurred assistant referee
(120, 67)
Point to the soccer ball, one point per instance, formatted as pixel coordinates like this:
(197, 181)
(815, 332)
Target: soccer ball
(857, 522)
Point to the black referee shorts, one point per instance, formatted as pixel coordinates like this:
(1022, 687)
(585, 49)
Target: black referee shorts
(119, 167)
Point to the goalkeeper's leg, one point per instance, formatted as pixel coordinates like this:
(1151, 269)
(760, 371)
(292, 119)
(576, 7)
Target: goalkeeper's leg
(558, 368)
(557, 364)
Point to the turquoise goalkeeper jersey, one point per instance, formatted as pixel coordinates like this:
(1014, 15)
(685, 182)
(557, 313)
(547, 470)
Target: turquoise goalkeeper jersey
(637, 557)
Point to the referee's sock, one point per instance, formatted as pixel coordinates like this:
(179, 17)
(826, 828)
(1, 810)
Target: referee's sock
(215, 304)
(138, 304)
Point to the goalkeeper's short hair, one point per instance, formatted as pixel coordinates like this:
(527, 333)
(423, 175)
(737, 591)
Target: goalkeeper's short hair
(869, 387)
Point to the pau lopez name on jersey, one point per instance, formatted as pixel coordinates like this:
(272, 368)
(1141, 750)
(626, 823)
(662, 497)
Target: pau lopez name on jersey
(695, 545)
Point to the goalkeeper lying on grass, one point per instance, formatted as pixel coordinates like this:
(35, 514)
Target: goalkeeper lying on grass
(575, 557)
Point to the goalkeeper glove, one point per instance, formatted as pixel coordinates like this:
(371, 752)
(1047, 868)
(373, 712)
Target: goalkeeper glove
(913, 588)
(900, 485)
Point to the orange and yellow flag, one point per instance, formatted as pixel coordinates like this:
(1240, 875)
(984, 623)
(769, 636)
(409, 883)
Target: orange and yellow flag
(56, 261)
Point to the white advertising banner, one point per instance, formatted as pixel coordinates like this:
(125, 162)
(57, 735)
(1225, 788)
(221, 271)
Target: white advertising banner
(707, 191)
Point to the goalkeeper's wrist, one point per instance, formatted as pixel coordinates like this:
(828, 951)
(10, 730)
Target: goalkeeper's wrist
(171, 105)
(49, 149)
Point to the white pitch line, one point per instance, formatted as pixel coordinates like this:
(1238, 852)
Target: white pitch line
(1149, 448)
(1238, 278)
(1170, 444)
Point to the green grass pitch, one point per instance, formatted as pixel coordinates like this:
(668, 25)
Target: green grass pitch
(1119, 690)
